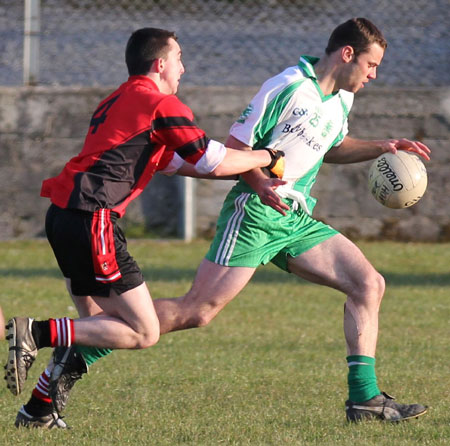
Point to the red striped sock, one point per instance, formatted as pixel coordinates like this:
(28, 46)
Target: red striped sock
(62, 332)
(41, 389)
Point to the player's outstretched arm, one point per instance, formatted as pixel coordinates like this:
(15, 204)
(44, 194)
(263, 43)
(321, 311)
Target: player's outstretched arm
(260, 183)
(353, 150)
(238, 161)
(257, 180)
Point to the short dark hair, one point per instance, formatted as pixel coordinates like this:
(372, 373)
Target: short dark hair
(145, 46)
(359, 33)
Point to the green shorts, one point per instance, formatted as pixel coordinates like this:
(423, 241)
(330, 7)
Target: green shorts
(252, 234)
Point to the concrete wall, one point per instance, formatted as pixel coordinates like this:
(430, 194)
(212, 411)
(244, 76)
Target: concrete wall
(42, 127)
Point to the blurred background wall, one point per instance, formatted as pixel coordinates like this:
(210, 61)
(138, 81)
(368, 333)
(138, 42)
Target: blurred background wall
(73, 55)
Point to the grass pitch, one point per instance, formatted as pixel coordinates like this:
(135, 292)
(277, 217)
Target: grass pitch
(269, 370)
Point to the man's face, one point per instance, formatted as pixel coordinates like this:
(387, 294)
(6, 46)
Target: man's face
(173, 69)
(362, 69)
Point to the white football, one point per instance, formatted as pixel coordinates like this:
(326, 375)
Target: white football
(397, 181)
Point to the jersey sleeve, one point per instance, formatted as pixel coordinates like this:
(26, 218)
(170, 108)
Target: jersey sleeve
(342, 134)
(259, 118)
(173, 127)
(347, 102)
(169, 163)
(215, 153)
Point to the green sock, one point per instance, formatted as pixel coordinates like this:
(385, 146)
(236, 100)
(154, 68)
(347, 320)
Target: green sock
(362, 381)
(92, 354)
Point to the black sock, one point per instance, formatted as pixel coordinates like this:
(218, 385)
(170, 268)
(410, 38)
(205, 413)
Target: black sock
(38, 408)
(41, 333)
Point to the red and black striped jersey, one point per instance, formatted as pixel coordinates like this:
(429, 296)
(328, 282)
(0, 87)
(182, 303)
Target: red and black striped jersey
(128, 135)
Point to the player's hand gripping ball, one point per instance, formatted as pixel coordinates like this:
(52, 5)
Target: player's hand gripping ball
(397, 180)
(276, 167)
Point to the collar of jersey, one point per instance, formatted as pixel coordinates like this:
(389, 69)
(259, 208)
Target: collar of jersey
(144, 80)
(306, 64)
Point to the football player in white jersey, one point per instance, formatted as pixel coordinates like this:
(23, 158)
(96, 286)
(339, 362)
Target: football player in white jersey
(302, 111)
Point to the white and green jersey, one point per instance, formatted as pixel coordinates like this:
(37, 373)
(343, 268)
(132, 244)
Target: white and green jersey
(291, 113)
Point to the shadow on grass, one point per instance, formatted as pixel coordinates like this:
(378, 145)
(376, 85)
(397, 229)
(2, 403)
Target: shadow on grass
(28, 273)
(430, 279)
(262, 275)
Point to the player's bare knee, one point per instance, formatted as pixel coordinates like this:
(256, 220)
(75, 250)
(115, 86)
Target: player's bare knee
(373, 285)
(376, 287)
(204, 318)
(197, 318)
(381, 285)
(198, 314)
(369, 289)
(147, 339)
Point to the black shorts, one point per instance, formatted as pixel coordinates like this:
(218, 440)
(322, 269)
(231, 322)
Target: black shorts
(91, 251)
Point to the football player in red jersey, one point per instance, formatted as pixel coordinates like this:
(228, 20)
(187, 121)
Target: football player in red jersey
(140, 128)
